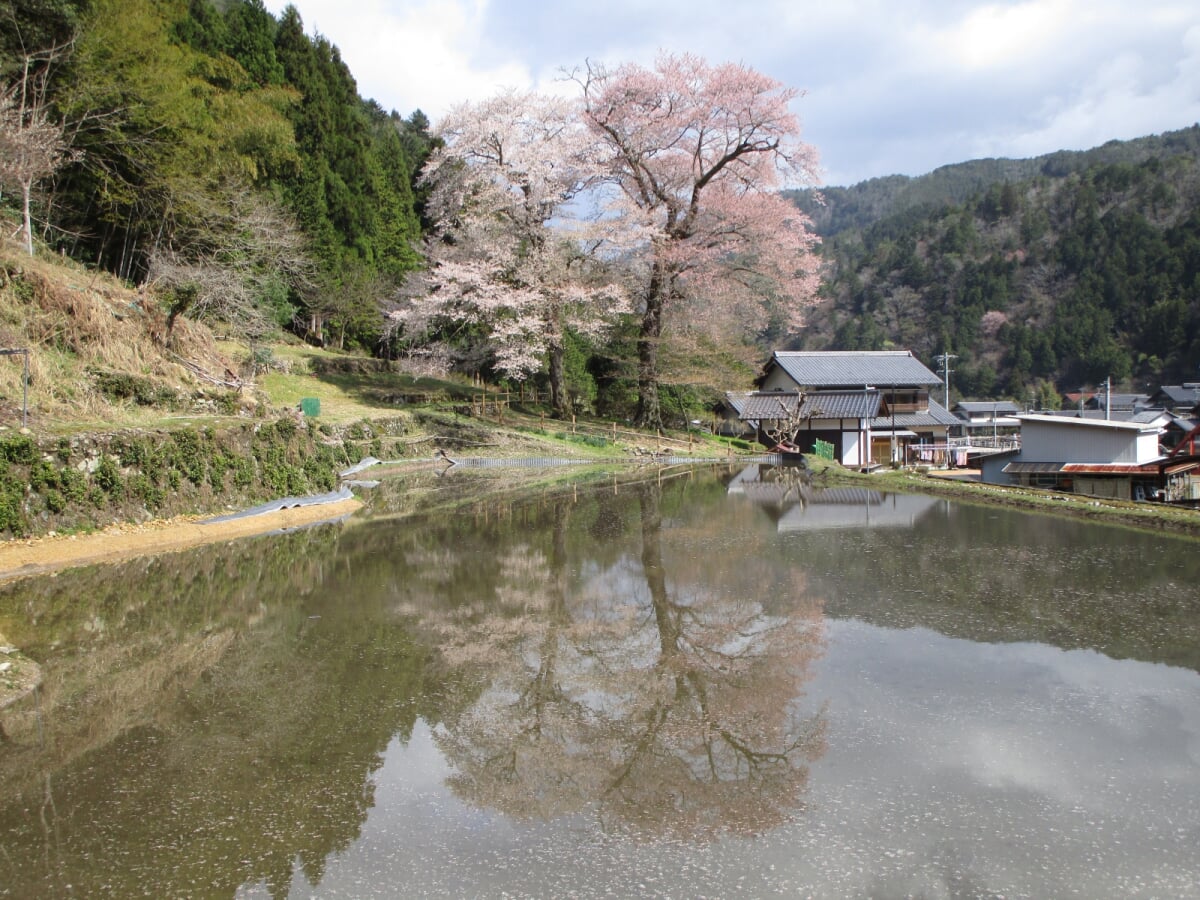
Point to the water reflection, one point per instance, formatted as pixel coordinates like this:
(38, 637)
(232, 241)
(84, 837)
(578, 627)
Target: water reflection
(662, 699)
(797, 505)
(609, 689)
(212, 721)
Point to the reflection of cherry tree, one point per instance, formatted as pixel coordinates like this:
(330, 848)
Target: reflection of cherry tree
(661, 698)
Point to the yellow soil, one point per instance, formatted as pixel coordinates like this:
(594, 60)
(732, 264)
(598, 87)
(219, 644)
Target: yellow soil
(21, 558)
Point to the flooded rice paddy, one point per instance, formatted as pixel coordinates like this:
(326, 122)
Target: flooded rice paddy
(724, 683)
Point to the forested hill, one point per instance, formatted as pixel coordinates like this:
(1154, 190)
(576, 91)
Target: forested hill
(835, 209)
(1042, 276)
(220, 154)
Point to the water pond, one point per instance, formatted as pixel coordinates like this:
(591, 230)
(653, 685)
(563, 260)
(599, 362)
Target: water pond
(690, 683)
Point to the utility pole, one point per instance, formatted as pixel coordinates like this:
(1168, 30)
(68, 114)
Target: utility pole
(944, 362)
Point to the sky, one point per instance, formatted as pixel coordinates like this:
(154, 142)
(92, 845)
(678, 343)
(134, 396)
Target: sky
(889, 87)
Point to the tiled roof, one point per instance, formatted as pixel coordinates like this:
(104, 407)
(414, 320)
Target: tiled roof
(1119, 401)
(937, 415)
(844, 368)
(1180, 394)
(736, 400)
(842, 404)
(771, 405)
(987, 406)
(815, 405)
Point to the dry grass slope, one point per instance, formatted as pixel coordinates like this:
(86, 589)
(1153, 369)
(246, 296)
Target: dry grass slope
(79, 327)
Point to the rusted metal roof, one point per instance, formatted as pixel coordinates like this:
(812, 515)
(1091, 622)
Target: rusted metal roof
(1109, 469)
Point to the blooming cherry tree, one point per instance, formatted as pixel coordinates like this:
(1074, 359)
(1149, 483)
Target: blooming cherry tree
(695, 156)
(506, 258)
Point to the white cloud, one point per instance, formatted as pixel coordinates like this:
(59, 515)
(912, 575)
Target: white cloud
(413, 55)
(890, 87)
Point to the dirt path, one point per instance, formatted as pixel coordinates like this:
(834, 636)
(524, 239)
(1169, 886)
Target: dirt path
(22, 558)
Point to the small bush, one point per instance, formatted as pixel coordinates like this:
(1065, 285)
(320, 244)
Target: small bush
(229, 403)
(43, 476)
(107, 476)
(12, 506)
(125, 386)
(141, 487)
(19, 449)
(55, 502)
(190, 454)
(73, 484)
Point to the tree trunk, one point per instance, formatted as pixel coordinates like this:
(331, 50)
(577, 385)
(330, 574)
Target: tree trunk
(649, 414)
(26, 191)
(558, 382)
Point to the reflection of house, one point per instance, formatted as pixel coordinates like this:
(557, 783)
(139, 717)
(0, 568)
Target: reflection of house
(1100, 458)
(905, 414)
(798, 506)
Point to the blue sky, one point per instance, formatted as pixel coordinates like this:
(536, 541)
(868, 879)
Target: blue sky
(891, 87)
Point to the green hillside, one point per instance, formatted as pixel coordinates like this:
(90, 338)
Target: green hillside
(1042, 276)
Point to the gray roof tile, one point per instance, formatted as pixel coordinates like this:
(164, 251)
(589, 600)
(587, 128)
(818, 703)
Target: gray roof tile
(845, 368)
(815, 405)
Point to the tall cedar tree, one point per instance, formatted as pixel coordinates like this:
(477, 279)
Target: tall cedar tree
(353, 194)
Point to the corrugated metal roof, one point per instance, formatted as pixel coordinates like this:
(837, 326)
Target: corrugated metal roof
(1049, 468)
(1032, 468)
(1109, 469)
(846, 368)
(1072, 422)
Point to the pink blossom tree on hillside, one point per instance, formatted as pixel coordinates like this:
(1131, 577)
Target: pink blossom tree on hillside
(510, 165)
(697, 154)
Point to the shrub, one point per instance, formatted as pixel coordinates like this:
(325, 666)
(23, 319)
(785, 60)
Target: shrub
(73, 484)
(141, 487)
(125, 386)
(12, 506)
(19, 449)
(55, 502)
(107, 476)
(189, 455)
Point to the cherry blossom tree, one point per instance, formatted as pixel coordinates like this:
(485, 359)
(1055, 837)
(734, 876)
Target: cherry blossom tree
(695, 155)
(506, 258)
